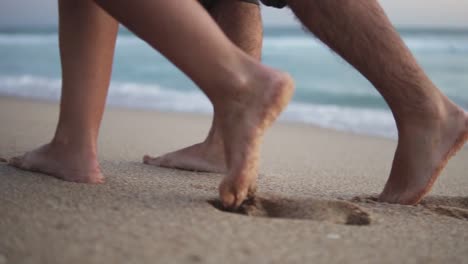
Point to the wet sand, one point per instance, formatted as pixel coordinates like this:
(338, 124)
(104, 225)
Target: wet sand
(313, 205)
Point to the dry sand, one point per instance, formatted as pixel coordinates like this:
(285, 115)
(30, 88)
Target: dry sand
(145, 214)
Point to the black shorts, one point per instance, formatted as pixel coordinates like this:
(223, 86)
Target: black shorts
(209, 3)
(273, 3)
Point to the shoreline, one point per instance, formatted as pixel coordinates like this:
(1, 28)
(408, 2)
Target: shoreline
(202, 114)
(196, 114)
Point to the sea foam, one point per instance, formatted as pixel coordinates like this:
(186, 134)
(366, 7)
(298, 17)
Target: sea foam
(143, 96)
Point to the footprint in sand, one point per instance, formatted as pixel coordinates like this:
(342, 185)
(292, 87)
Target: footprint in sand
(337, 212)
(456, 207)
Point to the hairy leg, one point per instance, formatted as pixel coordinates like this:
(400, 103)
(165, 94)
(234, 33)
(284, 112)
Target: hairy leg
(242, 24)
(431, 127)
(87, 39)
(247, 96)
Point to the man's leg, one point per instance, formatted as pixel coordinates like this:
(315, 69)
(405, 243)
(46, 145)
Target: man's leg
(87, 40)
(241, 22)
(431, 127)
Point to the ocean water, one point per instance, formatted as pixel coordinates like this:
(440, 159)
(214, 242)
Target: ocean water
(329, 92)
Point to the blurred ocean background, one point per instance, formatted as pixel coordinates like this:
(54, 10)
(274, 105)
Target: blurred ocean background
(329, 92)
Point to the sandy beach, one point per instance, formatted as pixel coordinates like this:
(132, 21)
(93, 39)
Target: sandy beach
(310, 178)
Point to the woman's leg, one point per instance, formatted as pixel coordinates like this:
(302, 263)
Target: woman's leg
(242, 24)
(246, 95)
(87, 39)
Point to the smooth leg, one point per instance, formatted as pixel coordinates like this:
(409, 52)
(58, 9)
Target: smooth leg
(242, 24)
(431, 127)
(246, 95)
(87, 39)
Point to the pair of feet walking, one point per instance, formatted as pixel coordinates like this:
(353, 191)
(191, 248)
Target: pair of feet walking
(242, 121)
(426, 143)
(247, 96)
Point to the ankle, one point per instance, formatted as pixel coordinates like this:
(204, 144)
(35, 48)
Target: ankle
(432, 116)
(215, 142)
(240, 82)
(76, 145)
(427, 111)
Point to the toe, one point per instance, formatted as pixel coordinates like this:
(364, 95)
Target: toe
(16, 162)
(152, 160)
(95, 180)
(252, 190)
(466, 121)
(232, 197)
(388, 196)
(3, 160)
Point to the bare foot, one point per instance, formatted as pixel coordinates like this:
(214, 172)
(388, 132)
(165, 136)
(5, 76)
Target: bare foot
(207, 156)
(243, 121)
(424, 148)
(61, 162)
